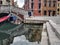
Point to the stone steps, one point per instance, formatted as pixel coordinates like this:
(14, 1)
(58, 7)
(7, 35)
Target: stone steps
(56, 28)
(53, 39)
(44, 40)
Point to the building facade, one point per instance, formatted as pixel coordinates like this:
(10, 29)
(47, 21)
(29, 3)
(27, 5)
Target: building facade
(49, 7)
(6, 2)
(58, 7)
(15, 4)
(26, 6)
(41, 7)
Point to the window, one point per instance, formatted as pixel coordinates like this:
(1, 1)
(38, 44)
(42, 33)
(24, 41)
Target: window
(31, 0)
(32, 10)
(45, 13)
(49, 12)
(32, 4)
(58, 9)
(8, 0)
(58, 0)
(45, 2)
(39, 5)
(49, 3)
(39, 0)
(0, 2)
(29, 13)
(39, 11)
(58, 13)
(54, 13)
(58, 4)
(54, 3)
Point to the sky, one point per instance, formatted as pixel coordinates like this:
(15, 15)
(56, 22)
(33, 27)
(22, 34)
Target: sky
(20, 3)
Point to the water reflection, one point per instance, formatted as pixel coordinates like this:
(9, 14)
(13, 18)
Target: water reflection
(31, 37)
(3, 36)
(21, 40)
(34, 32)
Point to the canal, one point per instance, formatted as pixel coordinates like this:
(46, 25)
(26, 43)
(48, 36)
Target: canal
(32, 36)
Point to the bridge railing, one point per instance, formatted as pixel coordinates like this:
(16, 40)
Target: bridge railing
(13, 8)
(45, 18)
(19, 11)
(56, 28)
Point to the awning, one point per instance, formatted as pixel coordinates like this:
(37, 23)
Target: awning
(4, 18)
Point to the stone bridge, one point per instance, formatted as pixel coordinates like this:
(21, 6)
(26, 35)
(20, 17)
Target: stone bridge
(18, 11)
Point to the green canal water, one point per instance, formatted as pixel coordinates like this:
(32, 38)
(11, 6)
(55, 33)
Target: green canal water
(3, 36)
(32, 36)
